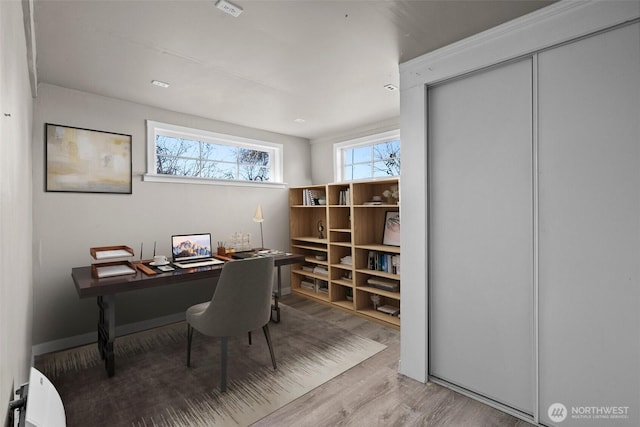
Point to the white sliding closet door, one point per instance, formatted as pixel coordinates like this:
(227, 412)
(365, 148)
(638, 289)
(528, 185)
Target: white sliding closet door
(589, 181)
(480, 234)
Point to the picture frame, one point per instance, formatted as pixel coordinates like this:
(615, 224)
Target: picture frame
(391, 230)
(79, 160)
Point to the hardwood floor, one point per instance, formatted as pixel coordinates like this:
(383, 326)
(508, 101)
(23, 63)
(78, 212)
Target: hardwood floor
(374, 394)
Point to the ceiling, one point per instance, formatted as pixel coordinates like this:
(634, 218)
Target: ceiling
(280, 62)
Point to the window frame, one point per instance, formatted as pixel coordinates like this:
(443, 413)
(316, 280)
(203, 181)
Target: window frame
(155, 128)
(340, 147)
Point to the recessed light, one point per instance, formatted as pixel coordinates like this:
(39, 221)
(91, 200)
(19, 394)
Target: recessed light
(230, 8)
(159, 83)
(390, 87)
(299, 120)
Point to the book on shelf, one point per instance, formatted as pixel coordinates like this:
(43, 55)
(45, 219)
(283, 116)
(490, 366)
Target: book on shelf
(385, 285)
(344, 197)
(389, 309)
(395, 264)
(311, 197)
(307, 200)
(380, 261)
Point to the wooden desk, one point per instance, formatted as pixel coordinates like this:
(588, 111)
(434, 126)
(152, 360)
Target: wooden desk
(105, 290)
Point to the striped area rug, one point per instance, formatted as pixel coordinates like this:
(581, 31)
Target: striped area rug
(153, 386)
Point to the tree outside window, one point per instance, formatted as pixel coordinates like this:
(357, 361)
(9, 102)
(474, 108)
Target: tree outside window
(370, 157)
(180, 154)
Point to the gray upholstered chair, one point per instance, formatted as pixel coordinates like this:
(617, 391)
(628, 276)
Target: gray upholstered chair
(240, 304)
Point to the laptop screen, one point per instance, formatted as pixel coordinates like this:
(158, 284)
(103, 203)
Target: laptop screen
(190, 246)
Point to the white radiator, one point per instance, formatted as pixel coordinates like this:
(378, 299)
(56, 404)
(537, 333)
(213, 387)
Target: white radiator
(41, 405)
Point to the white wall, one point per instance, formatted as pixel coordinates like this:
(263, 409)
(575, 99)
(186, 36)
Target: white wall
(66, 225)
(322, 148)
(16, 107)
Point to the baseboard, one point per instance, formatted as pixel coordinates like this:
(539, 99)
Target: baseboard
(90, 337)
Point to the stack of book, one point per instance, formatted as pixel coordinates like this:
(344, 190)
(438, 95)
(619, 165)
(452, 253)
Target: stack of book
(305, 284)
(316, 285)
(319, 269)
(386, 285)
(389, 309)
(347, 260)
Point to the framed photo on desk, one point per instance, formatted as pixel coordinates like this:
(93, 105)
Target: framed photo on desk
(87, 161)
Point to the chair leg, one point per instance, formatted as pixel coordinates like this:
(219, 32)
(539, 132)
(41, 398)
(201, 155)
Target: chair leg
(249, 337)
(189, 339)
(223, 364)
(265, 329)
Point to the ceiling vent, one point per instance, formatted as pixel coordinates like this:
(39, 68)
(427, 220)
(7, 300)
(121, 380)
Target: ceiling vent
(230, 8)
(159, 83)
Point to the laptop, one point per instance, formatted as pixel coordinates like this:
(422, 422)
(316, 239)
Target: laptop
(192, 250)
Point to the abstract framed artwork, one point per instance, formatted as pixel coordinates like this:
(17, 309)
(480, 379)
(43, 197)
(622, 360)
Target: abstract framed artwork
(87, 161)
(391, 232)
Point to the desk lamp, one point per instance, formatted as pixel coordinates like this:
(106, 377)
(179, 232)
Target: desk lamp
(257, 217)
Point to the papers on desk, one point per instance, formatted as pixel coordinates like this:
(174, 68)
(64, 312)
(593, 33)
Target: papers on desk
(269, 252)
(115, 253)
(113, 270)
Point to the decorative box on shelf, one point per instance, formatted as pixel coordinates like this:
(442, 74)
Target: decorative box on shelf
(114, 267)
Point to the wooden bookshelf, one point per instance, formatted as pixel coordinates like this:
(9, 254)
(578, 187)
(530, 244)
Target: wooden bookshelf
(350, 249)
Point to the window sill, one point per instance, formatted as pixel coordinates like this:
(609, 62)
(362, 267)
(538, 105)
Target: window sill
(207, 181)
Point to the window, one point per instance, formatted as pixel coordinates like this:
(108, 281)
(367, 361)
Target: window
(374, 156)
(176, 153)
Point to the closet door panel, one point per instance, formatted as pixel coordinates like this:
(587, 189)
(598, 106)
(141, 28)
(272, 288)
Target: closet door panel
(589, 183)
(480, 234)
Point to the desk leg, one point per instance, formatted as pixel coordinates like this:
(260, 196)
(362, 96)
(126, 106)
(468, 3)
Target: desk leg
(276, 296)
(107, 331)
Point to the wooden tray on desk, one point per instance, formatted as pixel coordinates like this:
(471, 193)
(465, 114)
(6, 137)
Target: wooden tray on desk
(110, 269)
(106, 252)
